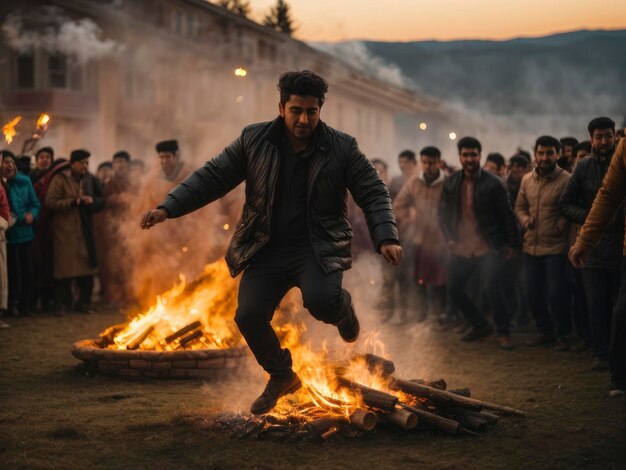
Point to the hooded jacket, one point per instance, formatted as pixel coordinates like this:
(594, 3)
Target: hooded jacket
(336, 166)
(22, 199)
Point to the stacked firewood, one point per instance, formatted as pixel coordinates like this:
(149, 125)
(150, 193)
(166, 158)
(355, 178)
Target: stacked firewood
(415, 404)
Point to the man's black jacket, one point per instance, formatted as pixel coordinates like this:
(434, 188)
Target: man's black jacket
(576, 201)
(337, 165)
(492, 206)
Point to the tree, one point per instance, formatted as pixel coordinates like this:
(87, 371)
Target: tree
(279, 18)
(240, 7)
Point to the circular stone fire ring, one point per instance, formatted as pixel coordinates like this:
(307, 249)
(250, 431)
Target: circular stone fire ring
(187, 363)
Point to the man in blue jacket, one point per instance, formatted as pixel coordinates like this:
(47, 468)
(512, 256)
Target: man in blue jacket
(20, 235)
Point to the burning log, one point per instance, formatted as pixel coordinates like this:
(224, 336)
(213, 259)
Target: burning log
(363, 419)
(449, 426)
(135, 343)
(436, 395)
(401, 417)
(371, 397)
(377, 364)
(183, 331)
(331, 432)
(318, 427)
(446, 398)
(186, 340)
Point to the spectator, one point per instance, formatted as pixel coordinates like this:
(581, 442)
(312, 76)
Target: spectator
(477, 220)
(23, 165)
(104, 172)
(546, 240)
(495, 165)
(4, 280)
(601, 272)
(416, 204)
(43, 163)
(607, 203)
(408, 168)
(25, 210)
(566, 161)
(111, 244)
(518, 167)
(44, 272)
(581, 151)
(73, 196)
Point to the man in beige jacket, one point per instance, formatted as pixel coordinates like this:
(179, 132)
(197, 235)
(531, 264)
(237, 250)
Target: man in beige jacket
(546, 240)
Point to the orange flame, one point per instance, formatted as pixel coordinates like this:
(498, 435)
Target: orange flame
(9, 129)
(43, 120)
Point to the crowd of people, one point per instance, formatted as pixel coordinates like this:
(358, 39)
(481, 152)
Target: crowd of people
(59, 226)
(486, 248)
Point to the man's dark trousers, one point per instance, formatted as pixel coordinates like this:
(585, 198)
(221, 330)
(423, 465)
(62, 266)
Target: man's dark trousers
(617, 347)
(490, 268)
(548, 293)
(601, 288)
(270, 275)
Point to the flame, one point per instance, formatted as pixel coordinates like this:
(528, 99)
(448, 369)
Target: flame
(210, 299)
(43, 120)
(9, 129)
(207, 305)
(241, 72)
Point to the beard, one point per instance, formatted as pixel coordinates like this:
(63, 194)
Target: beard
(546, 168)
(604, 154)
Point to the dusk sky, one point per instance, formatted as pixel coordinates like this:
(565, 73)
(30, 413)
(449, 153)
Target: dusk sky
(406, 20)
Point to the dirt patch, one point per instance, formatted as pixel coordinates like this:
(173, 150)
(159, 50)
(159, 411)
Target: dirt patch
(56, 414)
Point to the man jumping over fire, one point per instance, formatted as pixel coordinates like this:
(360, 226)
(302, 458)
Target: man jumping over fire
(293, 230)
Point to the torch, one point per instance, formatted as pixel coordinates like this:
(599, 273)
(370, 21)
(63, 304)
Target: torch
(40, 131)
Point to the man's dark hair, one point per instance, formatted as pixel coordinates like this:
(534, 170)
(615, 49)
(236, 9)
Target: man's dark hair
(601, 123)
(469, 143)
(304, 83)
(23, 164)
(123, 154)
(584, 145)
(408, 154)
(496, 158)
(378, 161)
(431, 151)
(548, 141)
(519, 160)
(49, 150)
(105, 165)
(569, 142)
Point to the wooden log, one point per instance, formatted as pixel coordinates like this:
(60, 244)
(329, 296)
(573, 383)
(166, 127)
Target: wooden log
(183, 331)
(438, 396)
(491, 418)
(363, 419)
(469, 419)
(317, 427)
(503, 408)
(377, 364)
(401, 417)
(371, 397)
(331, 432)
(135, 343)
(449, 426)
(439, 384)
(186, 340)
(464, 392)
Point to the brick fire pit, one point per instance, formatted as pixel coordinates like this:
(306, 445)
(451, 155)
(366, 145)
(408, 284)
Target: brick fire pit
(187, 363)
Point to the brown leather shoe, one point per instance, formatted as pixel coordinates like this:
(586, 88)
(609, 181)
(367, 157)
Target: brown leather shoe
(274, 390)
(505, 342)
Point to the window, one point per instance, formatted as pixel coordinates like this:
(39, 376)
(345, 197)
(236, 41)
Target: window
(26, 71)
(178, 21)
(57, 71)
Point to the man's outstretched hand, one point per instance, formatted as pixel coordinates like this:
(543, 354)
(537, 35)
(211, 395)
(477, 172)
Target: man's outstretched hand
(392, 253)
(153, 217)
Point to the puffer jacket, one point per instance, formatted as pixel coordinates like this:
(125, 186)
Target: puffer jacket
(337, 165)
(576, 201)
(492, 207)
(22, 199)
(538, 199)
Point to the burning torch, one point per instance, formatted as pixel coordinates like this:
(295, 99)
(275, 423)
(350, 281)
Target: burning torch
(40, 131)
(9, 129)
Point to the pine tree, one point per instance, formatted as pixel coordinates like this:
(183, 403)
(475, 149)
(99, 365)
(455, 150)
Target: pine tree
(240, 7)
(279, 18)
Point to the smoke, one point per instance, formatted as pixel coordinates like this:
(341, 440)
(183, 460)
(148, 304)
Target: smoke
(51, 30)
(358, 56)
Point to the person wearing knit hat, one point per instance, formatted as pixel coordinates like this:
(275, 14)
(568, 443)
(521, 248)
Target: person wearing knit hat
(73, 196)
(43, 162)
